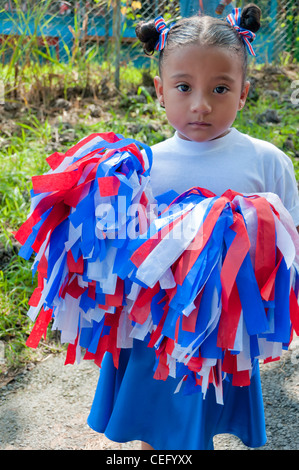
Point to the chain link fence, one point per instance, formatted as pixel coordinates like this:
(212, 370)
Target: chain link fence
(105, 28)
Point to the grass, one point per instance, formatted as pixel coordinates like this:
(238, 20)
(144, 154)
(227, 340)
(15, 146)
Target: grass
(15, 290)
(131, 112)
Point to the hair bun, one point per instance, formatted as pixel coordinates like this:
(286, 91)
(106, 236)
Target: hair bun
(251, 18)
(147, 34)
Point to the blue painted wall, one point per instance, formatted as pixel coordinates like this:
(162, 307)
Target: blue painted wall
(58, 27)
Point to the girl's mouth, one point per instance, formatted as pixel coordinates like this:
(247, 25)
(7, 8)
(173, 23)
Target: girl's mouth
(200, 124)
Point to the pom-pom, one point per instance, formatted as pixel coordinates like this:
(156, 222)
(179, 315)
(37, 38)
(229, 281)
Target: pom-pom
(210, 283)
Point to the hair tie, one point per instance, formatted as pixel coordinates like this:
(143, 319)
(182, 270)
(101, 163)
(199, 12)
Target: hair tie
(234, 20)
(163, 30)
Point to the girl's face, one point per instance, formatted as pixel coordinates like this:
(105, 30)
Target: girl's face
(202, 89)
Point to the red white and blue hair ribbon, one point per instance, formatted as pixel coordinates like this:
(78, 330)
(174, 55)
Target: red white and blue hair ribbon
(163, 31)
(247, 36)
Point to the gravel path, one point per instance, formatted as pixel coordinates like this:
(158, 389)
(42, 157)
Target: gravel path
(46, 408)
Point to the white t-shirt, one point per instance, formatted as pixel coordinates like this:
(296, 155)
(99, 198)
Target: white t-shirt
(235, 161)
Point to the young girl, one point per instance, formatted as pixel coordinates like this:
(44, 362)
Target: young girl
(202, 85)
(178, 299)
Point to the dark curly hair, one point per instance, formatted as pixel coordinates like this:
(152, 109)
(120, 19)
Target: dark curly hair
(206, 30)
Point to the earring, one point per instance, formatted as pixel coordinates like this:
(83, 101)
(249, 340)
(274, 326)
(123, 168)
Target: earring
(162, 104)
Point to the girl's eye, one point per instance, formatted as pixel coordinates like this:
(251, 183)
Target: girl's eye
(220, 90)
(183, 87)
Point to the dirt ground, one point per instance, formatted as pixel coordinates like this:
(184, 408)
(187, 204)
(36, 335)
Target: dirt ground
(46, 408)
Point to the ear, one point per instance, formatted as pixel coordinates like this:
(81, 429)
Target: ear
(244, 95)
(159, 89)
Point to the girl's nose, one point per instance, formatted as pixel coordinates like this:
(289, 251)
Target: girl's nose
(200, 104)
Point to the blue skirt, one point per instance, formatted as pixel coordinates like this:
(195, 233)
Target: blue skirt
(129, 404)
